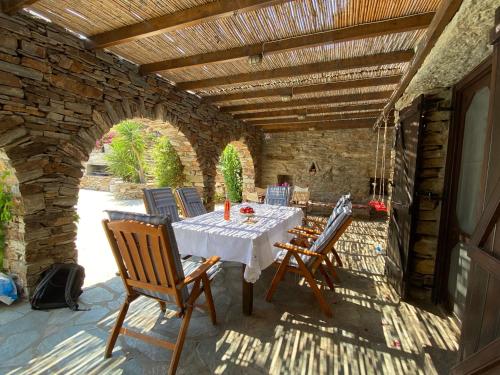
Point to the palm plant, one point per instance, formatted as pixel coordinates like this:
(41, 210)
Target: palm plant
(127, 149)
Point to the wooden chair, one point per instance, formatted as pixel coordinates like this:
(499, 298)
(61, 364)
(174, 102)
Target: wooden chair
(146, 253)
(161, 202)
(306, 262)
(190, 202)
(305, 236)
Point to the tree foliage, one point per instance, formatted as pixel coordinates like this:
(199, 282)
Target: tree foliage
(127, 151)
(233, 173)
(6, 205)
(167, 168)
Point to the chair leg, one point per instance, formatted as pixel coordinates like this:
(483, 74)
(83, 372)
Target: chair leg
(180, 341)
(278, 277)
(337, 258)
(163, 306)
(116, 329)
(327, 278)
(210, 300)
(317, 293)
(334, 273)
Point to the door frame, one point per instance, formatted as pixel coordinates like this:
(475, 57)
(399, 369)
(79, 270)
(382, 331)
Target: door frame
(440, 293)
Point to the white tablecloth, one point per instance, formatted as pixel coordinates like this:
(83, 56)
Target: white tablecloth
(251, 244)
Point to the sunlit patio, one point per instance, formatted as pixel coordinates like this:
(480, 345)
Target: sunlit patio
(370, 333)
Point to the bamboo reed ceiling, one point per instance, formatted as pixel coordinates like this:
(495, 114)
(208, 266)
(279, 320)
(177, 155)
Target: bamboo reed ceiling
(268, 21)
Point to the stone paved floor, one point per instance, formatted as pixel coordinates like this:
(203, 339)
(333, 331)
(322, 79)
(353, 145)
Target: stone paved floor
(370, 333)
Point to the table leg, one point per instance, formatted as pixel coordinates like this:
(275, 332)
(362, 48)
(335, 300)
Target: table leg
(247, 293)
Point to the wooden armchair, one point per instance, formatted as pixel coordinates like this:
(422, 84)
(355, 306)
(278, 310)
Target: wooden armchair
(306, 261)
(146, 253)
(190, 202)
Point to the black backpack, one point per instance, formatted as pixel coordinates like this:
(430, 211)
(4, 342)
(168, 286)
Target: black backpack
(61, 285)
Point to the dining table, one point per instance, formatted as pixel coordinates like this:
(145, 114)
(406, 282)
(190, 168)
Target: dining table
(243, 239)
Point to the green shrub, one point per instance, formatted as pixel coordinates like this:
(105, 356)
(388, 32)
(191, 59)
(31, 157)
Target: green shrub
(232, 172)
(126, 156)
(167, 168)
(6, 204)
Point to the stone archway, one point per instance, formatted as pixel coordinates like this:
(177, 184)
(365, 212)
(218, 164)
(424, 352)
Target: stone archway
(57, 107)
(14, 230)
(248, 169)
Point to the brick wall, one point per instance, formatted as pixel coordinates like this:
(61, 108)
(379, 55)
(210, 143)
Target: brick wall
(57, 98)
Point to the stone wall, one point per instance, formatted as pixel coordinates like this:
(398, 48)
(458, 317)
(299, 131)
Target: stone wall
(57, 98)
(437, 115)
(345, 159)
(99, 183)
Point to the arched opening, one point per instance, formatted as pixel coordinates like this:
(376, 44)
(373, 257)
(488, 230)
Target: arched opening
(11, 218)
(235, 172)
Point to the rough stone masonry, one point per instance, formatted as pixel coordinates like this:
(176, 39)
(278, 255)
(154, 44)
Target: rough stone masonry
(56, 99)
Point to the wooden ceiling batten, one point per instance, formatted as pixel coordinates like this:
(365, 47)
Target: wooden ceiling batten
(330, 86)
(321, 125)
(310, 102)
(444, 14)
(394, 25)
(12, 6)
(179, 20)
(297, 112)
(294, 120)
(321, 67)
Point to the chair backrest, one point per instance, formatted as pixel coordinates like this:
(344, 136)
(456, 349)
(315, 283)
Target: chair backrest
(146, 254)
(190, 202)
(301, 196)
(331, 234)
(341, 203)
(278, 195)
(161, 202)
(252, 197)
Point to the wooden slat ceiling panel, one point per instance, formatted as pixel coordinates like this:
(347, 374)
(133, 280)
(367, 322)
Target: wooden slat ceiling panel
(91, 17)
(334, 76)
(271, 99)
(303, 79)
(289, 18)
(342, 50)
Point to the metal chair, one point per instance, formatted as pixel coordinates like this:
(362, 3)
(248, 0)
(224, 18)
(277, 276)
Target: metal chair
(161, 202)
(190, 202)
(147, 257)
(278, 195)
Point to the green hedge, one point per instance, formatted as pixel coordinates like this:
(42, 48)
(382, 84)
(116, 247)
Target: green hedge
(167, 168)
(233, 173)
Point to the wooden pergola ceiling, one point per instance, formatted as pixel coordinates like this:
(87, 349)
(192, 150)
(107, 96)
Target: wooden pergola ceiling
(275, 60)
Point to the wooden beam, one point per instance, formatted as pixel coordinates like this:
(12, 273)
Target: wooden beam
(309, 101)
(444, 14)
(297, 112)
(394, 25)
(13, 6)
(178, 20)
(322, 125)
(321, 67)
(322, 118)
(330, 86)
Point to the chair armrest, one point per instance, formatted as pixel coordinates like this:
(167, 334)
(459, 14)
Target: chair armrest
(301, 233)
(196, 274)
(297, 249)
(309, 230)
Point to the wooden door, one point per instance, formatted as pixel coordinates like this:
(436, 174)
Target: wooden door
(402, 222)
(480, 338)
